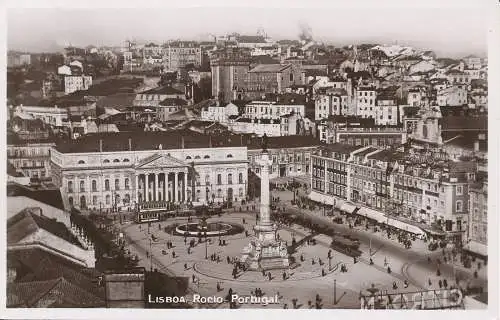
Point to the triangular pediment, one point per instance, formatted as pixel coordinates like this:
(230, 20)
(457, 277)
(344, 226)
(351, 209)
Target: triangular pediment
(160, 161)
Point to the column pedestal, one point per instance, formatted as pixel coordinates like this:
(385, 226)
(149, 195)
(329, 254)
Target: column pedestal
(265, 251)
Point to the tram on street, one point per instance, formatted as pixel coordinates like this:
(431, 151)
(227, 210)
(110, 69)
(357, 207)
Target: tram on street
(346, 246)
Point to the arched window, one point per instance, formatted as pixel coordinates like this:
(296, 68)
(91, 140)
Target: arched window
(94, 185)
(108, 198)
(106, 161)
(116, 160)
(241, 192)
(81, 162)
(70, 200)
(70, 186)
(207, 179)
(197, 157)
(229, 155)
(127, 184)
(240, 177)
(106, 184)
(188, 158)
(82, 186)
(219, 179)
(230, 178)
(126, 160)
(206, 157)
(126, 199)
(219, 193)
(117, 184)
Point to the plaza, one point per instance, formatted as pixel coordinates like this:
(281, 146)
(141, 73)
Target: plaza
(303, 281)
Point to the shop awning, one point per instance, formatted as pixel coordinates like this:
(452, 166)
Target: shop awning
(347, 207)
(404, 226)
(477, 248)
(372, 214)
(321, 198)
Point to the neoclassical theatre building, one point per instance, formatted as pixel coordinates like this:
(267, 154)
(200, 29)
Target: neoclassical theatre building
(120, 170)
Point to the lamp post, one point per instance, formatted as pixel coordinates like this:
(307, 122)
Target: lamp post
(206, 246)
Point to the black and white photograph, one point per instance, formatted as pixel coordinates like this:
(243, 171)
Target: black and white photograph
(274, 157)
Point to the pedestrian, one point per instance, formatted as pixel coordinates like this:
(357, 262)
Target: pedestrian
(185, 266)
(228, 260)
(194, 277)
(269, 276)
(385, 261)
(440, 283)
(388, 269)
(284, 275)
(445, 283)
(430, 282)
(173, 254)
(312, 261)
(406, 284)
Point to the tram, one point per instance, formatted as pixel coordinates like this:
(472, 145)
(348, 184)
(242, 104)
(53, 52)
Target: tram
(346, 246)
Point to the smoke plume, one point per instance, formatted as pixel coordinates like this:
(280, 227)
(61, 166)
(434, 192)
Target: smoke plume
(305, 32)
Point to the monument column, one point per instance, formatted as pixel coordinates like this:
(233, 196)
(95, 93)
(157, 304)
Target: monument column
(165, 187)
(265, 215)
(186, 186)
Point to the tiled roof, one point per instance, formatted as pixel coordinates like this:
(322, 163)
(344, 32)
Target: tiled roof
(460, 122)
(28, 221)
(173, 102)
(163, 90)
(270, 68)
(264, 60)
(51, 197)
(387, 156)
(365, 152)
(283, 142)
(118, 100)
(141, 141)
(251, 39)
(341, 148)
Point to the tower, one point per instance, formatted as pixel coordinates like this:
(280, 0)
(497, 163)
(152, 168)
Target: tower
(266, 251)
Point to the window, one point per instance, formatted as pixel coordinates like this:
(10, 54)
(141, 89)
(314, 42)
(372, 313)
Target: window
(94, 200)
(127, 184)
(106, 185)
(117, 184)
(70, 186)
(219, 178)
(126, 160)
(81, 162)
(230, 178)
(94, 185)
(106, 161)
(229, 155)
(108, 198)
(116, 160)
(82, 186)
(197, 157)
(206, 157)
(188, 158)
(460, 190)
(240, 177)
(458, 206)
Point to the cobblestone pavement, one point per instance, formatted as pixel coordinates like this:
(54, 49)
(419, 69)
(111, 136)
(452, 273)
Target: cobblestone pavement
(302, 283)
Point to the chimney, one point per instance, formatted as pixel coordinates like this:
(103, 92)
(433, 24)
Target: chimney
(476, 146)
(100, 145)
(129, 144)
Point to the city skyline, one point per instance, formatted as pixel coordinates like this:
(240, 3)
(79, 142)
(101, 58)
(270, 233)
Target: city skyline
(38, 30)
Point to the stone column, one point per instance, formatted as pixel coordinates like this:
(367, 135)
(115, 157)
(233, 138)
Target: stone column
(165, 186)
(156, 187)
(146, 187)
(265, 214)
(175, 188)
(136, 188)
(186, 186)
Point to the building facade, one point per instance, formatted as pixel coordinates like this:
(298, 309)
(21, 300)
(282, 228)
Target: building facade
(182, 53)
(125, 177)
(32, 159)
(478, 219)
(76, 83)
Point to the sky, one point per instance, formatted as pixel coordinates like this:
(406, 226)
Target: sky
(448, 30)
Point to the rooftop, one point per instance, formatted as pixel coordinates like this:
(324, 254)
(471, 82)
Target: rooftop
(341, 148)
(168, 90)
(365, 152)
(119, 141)
(251, 39)
(387, 155)
(30, 220)
(460, 123)
(173, 102)
(270, 68)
